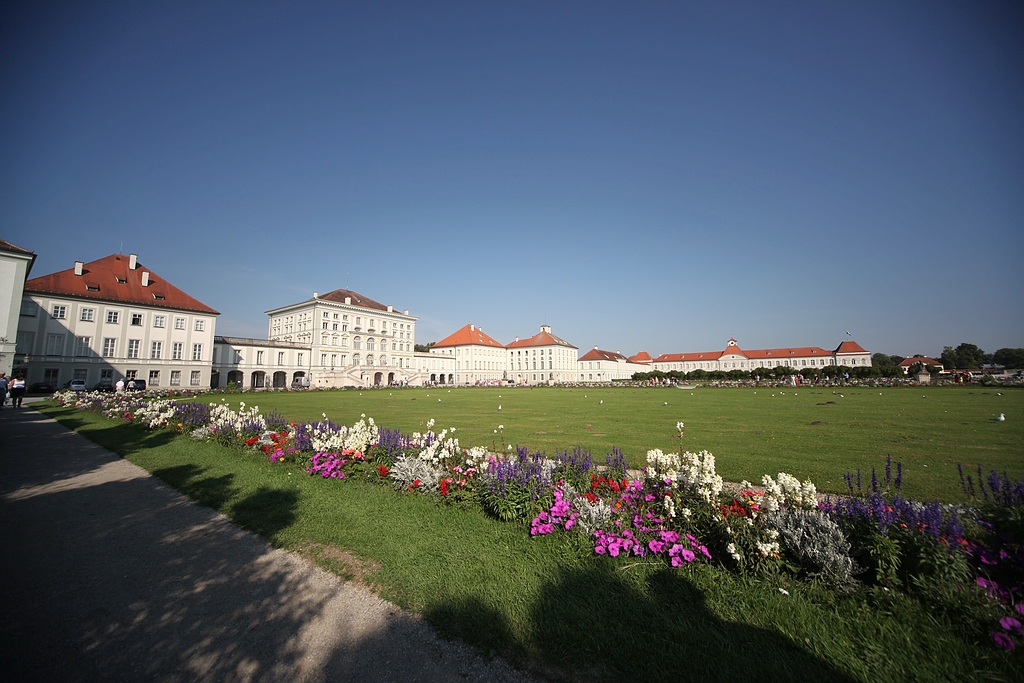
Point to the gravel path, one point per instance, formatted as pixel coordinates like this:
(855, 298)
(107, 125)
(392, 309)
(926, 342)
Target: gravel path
(108, 574)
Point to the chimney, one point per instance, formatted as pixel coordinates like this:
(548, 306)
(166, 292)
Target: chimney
(316, 295)
(145, 278)
(407, 311)
(391, 309)
(472, 328)
(133, 260)
(78, 267)
(348, 300)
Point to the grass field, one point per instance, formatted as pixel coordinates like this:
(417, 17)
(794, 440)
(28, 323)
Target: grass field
(811, 433)
(543, 602)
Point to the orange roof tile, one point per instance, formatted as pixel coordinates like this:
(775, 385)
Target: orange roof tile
(470, 334)
(542, 338)
(339, 296)
(110, 279)
(598, 354)
(850, 346)
(642, 357)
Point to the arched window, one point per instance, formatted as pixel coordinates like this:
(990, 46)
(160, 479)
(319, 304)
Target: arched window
(383, 360)
(369, 359)
(357, 343)
(355, 359)
(369, 344)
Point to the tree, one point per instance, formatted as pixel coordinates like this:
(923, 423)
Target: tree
(1011, 358)
(964, 357)
(422, 348)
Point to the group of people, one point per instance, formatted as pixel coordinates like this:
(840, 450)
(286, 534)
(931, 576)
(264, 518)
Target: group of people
(11, 388)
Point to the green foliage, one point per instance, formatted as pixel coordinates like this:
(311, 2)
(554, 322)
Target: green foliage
(516, 504)
(963, 357)
(1011, 358)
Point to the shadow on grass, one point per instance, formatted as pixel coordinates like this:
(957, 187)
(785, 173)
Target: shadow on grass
(589, 624)
(213, 492)
(266, 511)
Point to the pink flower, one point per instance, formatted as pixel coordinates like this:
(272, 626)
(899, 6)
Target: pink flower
(1002, 640)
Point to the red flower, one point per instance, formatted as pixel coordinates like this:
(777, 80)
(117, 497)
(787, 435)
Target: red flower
(444, 487)
(382, 470)
(414, 485)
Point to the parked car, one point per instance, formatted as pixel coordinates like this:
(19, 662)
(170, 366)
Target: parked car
(77, 385)
(41, 388)
(105, 387)
(140, 385)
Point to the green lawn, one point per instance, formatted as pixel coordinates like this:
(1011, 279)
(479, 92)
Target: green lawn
(547, 603)
(808, 432)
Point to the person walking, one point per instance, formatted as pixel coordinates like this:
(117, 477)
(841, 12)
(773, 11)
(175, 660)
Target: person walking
(3, 389)
(17, 391)
(119, 386)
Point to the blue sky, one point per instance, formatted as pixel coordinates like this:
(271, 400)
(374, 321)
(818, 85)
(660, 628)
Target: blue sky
(653, 176)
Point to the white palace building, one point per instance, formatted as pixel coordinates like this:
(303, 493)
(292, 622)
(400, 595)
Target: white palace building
(114, 319)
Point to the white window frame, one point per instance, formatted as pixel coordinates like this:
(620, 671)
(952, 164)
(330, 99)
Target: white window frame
(200, 325)
(59, 312)
(159, 321)
(179, 323)
(87, 315)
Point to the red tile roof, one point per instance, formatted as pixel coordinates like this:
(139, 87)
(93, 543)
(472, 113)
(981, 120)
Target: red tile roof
(542, 338)
(758, 354)
(907, 362)
(7, 246)
(598, 354)
(110, 279)
(470, 334)
(850, 346)
(358, 299)
(642, 357)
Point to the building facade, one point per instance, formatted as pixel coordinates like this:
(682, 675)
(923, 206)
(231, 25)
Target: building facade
(259, 363)
(15, 266)
(848, 353)
(353, 340)
(478, 358)
(541, 359)
(113, 319)
(597, 365)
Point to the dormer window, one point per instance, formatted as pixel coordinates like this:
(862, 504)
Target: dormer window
(121, 281)
(158, 297)
(92, 288)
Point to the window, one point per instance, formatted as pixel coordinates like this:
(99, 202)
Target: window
(82, 346)
(259, 358)
(50, 376)
(280, 357)
(301, 358)
(159, 321)
(200, 325)
(177, 349)
(88, 315)
(106, 375)
(133, 348)
(131, 374)
(136, 318)
(197, 352)
(175, 378)
(334, 359)
(326, 314)
(112, 317)
(194, 379)
(323, 359)
(54, 344)
(28, 308)
(25, 342)
(179, 323)
(156, 349)
(80, 373)
(109, 345)
(154, 378)
(59, 312)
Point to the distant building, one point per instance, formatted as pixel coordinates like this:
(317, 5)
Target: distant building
(848, 353)
(111, 319)
(606, 366)
(478, 358)
(353, 340)
(908, 363)
(541, 359)
(15, 265)
(259, 363)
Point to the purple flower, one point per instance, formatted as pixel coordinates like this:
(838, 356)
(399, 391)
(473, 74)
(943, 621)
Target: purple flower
(1002, 640)
(656, 546)
(1019, 608)
(1009, 624)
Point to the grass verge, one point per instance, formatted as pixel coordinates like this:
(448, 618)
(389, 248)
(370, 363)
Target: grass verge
(550, 606)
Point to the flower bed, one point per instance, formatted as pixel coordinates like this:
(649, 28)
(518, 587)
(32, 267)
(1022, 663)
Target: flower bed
(674, 511)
